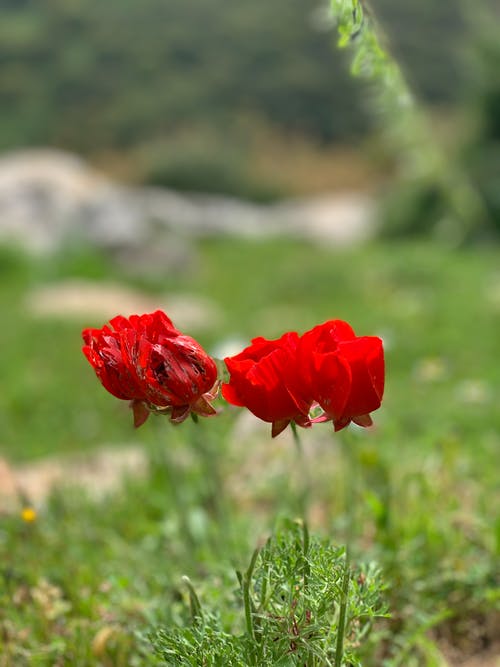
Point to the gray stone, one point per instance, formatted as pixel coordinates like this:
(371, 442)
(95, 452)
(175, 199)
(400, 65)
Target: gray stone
(49, 198)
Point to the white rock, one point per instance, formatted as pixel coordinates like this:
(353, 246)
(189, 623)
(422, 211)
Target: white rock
(48, 198)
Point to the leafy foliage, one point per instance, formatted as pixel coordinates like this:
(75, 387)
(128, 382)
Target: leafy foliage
(291, 596)
(439, 193)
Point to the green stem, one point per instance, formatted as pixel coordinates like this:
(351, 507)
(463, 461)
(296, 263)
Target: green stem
(164, 461)
(303, 498)
(245, 580)
(248, 608)
(306, 571)
(339, 648)
(194, 602)
(350, 486)
(209, 460)
(305, 548)
(406, 125)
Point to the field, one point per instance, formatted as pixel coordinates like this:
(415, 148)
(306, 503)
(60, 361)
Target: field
(89, 581)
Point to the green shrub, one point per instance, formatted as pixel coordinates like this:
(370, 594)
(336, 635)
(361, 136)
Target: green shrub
(290, 610)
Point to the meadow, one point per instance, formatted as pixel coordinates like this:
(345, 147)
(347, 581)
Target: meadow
(99, 581)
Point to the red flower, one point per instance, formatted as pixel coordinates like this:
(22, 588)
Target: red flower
(329, 366)
(343, 372)
(145, 359)
(263, 378)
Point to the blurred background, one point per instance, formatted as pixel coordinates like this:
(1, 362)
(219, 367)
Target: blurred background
(221, 161)
(251, 101)
(218, 159)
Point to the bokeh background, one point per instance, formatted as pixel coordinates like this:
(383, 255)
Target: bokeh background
(218, 159)
(224, 97)
(180, 153)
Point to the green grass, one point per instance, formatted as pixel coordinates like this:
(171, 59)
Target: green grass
(426, 478)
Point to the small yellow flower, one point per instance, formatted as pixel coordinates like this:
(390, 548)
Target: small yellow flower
(28, 514)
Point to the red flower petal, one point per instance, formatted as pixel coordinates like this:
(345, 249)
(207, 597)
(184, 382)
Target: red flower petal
(229, 392)
(332, 383)
(365, 357)
(280, 380)
(263, 378)
(342, 372)
(146, 359)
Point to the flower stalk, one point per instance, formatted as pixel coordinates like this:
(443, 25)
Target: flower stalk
(341, 627)
(303, 497)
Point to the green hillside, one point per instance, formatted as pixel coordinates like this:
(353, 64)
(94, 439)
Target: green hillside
(114, 74)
